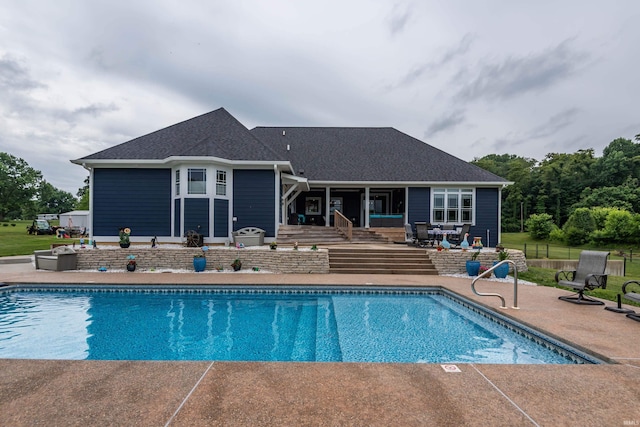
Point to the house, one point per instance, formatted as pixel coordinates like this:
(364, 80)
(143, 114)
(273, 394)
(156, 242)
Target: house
(212, 174)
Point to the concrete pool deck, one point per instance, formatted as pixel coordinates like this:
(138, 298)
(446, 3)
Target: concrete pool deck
(54, 392)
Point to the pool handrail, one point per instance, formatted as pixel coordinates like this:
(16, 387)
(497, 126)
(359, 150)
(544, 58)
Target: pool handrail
(492, 294)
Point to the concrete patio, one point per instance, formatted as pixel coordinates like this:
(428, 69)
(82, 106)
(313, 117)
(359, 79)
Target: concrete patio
(34, 392)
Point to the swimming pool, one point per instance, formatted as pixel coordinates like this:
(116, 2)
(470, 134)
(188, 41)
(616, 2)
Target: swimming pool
(337, 324)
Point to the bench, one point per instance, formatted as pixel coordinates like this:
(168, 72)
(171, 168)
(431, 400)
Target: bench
(249, 236)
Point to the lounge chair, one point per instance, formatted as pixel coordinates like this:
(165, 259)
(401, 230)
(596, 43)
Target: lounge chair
(587, 276)
(633, 296)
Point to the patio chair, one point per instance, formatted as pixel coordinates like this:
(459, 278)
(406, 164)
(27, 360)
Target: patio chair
(422, 234)
(409, 236)
(633, 296)
(458, 236)
(589, 274)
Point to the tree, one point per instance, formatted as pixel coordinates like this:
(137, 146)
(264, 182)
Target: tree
(19, 184)
(53, 200)
(540, 225)
(562, 179)
(83, 196)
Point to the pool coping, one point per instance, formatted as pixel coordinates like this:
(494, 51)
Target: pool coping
(188, 393)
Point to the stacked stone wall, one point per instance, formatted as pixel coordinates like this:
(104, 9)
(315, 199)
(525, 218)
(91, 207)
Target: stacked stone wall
(276, 261)
(454, 261)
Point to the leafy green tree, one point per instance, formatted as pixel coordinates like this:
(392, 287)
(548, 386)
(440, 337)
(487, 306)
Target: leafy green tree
(83, 196)
(625, 196)
(620, 161)
(578, 228)
(620, 226)
(19, 184)
(53, 200)
(540, 225)
(562, 179)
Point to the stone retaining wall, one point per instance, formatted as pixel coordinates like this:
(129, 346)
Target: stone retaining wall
(454, 261)
(275, 261)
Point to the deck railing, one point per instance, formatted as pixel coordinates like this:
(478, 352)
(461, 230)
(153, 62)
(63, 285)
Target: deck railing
(343, 225)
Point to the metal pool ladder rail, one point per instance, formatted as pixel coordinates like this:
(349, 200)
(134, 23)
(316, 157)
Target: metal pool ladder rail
(491, 294)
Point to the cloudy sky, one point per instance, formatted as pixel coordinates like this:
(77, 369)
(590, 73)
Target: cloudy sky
(469, 77)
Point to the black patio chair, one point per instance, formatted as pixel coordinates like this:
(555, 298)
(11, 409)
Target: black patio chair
(589, 275)
(456, 238)
(633, 296)
(422, 234)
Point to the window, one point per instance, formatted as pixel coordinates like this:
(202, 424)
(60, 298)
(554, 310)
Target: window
(178, 182)
(197, 181)
(221, 183)
(452, 205)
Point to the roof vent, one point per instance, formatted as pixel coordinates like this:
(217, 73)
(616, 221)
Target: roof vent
(301, 172)
(283, 132)
(288, 147)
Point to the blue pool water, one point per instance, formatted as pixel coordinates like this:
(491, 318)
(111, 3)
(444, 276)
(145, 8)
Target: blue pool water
(260, 325)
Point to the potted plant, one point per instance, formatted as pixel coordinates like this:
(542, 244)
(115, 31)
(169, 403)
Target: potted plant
(131, 263)
(273, 245)
(200, 260)
(502, 271)
(473, 265)
(237, 263)
(124, 237)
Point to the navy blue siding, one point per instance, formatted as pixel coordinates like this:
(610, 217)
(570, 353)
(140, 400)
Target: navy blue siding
(220, 218)
(177, 218)
(419, 205)
(254, 198)
(136, 198)
(486, 216)
(196, 215)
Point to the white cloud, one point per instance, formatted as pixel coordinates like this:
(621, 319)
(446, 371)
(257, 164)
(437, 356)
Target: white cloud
(471, 78)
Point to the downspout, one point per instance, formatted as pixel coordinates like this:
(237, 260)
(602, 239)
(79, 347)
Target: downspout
(278, 191)
(90, 170)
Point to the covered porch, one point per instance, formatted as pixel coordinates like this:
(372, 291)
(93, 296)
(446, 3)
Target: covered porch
(365, 207)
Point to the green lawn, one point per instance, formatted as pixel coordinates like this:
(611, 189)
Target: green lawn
(546, 277)
(14, 240)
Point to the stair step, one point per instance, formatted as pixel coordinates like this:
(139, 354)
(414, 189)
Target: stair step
(416, 271)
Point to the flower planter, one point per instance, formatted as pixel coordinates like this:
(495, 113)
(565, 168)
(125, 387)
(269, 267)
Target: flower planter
(125, 245)
(131, 267)
(473, 267)
(502, 271)
(199, 264)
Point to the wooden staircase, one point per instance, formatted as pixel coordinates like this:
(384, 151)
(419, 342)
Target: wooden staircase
(319, 235)
(380, 261)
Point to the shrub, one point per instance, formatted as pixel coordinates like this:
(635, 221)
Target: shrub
(540, 225)
(557, 235)
(620, 226)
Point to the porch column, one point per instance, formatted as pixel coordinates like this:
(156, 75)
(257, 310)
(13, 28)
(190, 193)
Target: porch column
(327, 199)
(366, 207)
(406, 205)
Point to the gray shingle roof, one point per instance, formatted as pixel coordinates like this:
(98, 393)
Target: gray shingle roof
(325, 154)
(216, 134)
(367, 154)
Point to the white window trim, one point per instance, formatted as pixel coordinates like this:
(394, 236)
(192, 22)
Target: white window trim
(449, 190)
